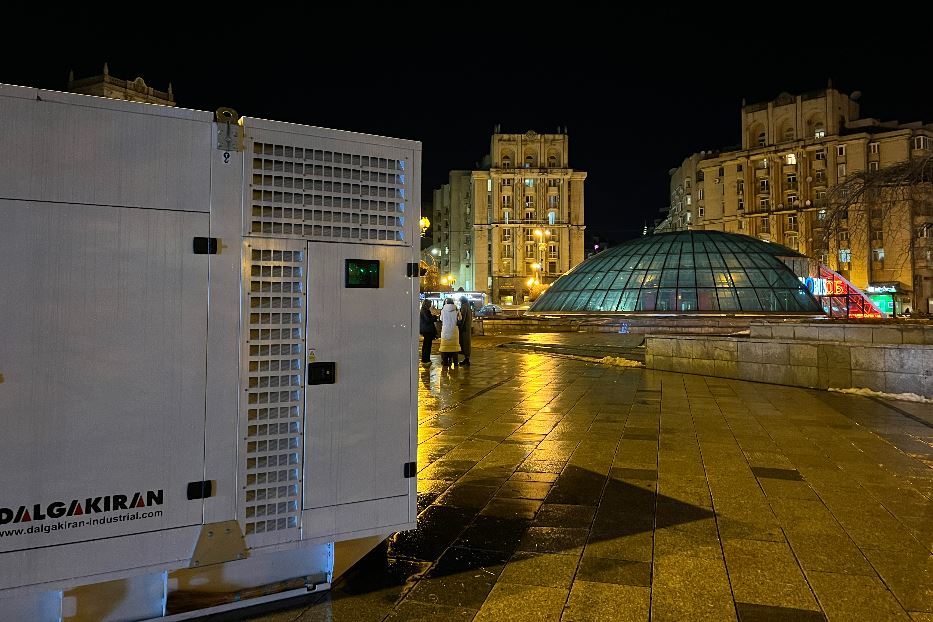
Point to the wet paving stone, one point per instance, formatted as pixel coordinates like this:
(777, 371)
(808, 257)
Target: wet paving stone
(554, 488)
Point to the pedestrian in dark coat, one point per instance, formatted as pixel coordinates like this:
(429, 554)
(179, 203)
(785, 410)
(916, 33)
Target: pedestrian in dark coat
(428, 330)
(466, 329)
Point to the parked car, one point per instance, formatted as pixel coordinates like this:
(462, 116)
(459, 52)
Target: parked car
(490, 310)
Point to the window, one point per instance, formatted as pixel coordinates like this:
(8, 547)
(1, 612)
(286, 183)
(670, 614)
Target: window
(552, 251)
(506, 162)
(791, 242)
(507, 182)
(877, 236)
(553, 183)
(762, 185)
(820, 154)
(765, 224)
(688, 200)
(506, 216)
(552, 267)
(740, 187)
(507, 251)
(738, 168)
(763, 163)
(700, 176)
(791, 158)
(530, 214)
(761, 139)
(792, 223)
(819, 131)
(506, 200)
(922, 142)
(530, 183)
(687, 184)
(845, 255)
(529, 161)
(552, 161)
(792, 200)
(529, 201)
(702, 211)
(841, 170)
(741, 204)
(821, 176)
(873, 165)
(529, 236)
(722, 171)
(506, 235)
(877, 254)
(925, 231)
(741, 224)
(699, 193)
(841, 151)
(553, 201)
(789, 133)
(873, 148)
(844, 238)
(764, 202)
(551, 218)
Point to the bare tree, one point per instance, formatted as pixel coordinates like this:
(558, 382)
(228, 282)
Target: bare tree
(867, 204)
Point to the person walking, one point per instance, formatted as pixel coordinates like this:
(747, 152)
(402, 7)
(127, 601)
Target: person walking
(465, 325)
(427, 329)
(450, 335)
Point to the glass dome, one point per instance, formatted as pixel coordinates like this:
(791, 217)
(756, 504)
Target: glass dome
(683, 272)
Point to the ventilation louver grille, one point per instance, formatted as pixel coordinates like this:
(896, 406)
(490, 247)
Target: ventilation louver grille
(274, 390)
(319, 194)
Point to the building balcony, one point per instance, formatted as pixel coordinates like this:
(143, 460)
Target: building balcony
(790, 185)
(761, 173)
(817, 165)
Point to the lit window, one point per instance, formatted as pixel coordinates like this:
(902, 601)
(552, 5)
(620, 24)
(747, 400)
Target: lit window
(873, 147)
(489, 185)
(819, 131)
(791, 158)
(877, 254)
(845, 255)
(551, 218)
(530, 183)
(688, 199)
(699, 193)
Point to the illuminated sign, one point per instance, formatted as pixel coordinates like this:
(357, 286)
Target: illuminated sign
(824, 287)
(880, 289)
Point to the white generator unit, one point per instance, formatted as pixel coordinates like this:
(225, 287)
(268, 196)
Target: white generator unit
(207, 356)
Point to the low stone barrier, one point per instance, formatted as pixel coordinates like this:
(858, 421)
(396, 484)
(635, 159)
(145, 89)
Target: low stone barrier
(896, 367)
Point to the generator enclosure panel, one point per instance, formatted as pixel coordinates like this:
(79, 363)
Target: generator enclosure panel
(207, 355)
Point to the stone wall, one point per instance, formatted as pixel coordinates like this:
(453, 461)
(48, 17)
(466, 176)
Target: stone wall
(863, 332)
(890, 367)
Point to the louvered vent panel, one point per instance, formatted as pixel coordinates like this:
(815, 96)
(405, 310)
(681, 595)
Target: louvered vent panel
(318, 194)
(274, 390)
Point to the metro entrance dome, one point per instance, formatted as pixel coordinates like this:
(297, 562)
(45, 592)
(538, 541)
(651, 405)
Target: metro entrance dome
(687, 272)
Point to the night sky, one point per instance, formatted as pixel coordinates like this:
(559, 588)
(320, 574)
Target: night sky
(637, 95)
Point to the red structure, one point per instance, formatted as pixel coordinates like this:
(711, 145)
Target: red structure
(839, 297)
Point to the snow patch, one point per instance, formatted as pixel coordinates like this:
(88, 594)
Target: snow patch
(906, 397)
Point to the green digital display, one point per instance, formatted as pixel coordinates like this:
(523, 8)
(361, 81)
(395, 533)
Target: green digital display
(362, 273)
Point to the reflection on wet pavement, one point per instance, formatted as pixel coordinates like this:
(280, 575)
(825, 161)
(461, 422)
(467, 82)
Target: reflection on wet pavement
(554, 488)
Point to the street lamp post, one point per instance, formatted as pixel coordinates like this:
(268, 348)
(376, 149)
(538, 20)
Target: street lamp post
(542, 235)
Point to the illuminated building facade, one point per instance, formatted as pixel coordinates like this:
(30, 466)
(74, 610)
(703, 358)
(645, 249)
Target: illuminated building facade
(794, 150)
(517, 223)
